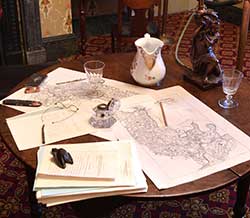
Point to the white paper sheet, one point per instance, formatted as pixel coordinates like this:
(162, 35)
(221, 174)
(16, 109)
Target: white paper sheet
(58, 75)
(197, 141)
(61, 123)
(89, 164)
(105, 192)
(75, 91)
(26, 129)
(124, 169)
(63, 195)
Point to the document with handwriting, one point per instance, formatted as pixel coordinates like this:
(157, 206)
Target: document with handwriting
(120, 165)
(88, 164)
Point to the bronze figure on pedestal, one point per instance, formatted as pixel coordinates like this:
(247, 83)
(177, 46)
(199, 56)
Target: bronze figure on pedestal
(206, 70)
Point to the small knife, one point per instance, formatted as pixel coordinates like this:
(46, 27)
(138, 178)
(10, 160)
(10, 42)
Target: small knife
(18, 102)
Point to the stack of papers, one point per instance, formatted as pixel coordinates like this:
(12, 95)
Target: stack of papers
(99, 169)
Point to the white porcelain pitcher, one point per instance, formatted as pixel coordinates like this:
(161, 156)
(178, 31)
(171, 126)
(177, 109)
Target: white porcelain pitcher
(148, 68)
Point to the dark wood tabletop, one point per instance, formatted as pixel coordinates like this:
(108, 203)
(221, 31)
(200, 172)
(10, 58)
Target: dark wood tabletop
(118, 68)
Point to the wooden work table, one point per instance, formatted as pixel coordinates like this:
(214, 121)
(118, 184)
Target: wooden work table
(117, 67)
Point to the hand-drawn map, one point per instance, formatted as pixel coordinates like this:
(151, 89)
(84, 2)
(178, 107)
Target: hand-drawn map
(205, 147)
(197, 141)
(66, 108)
(63, 84)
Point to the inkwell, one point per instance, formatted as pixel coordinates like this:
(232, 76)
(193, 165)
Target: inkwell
(103, 114)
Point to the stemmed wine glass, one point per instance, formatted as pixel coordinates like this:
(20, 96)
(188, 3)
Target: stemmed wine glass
(230, 83)
(94, 73)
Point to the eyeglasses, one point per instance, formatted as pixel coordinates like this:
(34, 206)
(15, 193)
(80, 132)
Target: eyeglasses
(61, 106)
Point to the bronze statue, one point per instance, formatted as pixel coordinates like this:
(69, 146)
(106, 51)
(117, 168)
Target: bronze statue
(207, 71)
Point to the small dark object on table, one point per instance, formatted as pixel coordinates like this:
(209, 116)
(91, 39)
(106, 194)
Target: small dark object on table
(31, 89)
(35, 80)
(61, 157)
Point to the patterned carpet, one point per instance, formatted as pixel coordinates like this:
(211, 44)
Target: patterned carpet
(226, 48)
(14, 200)
(14, 190)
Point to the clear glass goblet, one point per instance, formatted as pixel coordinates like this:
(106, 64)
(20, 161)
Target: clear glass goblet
(231, 80)
(94, 73)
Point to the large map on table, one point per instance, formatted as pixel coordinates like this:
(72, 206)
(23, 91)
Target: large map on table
(195, 143)
(66, 108)
(205, 147)
(63, 84)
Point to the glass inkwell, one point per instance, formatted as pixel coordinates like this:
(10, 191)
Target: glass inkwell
(103, 116)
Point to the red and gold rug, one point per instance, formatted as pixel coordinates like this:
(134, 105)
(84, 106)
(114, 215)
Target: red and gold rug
(14, 200)
(225, 50)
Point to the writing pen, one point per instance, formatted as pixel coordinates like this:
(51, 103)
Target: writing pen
(43, 134)
(18, 102)
(70, 81)
(163, 114)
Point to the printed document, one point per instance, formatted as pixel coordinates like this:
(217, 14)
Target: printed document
(129, 177)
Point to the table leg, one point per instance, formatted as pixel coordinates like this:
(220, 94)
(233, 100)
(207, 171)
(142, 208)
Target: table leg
(98, 207)
(36, 208)
(242, 195)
